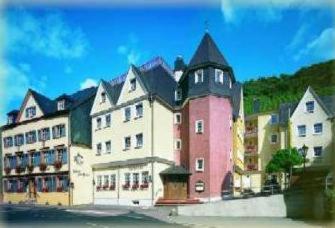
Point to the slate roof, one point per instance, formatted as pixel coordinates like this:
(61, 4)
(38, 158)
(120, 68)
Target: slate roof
(175, 170)
(285, 111)
(329, 102)
(206, 52)
(236, 98)
(113, 91)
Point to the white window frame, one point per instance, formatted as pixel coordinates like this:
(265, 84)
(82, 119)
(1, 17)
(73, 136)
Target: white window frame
(202, 126)
(298, 133)
(176, 119)
(125, 114)
(312, 111)
(136, 110)
(318, 133)
(108, 124)
(272, 142)
(271, 120)
(61, 105)
(103, 97)
(199, 76)
(98, 123)
(137, 141)
(178, 94)
(108, 151)
(132, 86)
(31, 112)
(218, 78)
(177, 141)
(317, 156)
(125, 145)
(203, 165)
(99, 152)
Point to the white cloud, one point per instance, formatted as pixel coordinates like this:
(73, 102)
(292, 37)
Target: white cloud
(271, 8)
(298, 38)
(48, 35)
(88, 83)
(130, 50)
(322, 47)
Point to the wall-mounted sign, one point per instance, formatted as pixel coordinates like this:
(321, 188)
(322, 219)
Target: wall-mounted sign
(199, 186)
(79, 159)
(80, 173)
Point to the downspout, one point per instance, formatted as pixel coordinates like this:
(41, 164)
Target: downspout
(70, 188)
(151, 102)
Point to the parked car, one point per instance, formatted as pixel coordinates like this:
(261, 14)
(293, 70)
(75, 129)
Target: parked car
(227, 195)
(271, 187)
(246, 193)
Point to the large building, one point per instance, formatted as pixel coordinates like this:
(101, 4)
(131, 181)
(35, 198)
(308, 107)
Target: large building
(46, 150)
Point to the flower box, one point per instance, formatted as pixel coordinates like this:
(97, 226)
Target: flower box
(125, 186)
(98, 188)
(134, 186)
(112, 187)
(20, 190)
(59, 189)
(58, 164)
(7, 170)
(19, 169)
(45, 189)
(144, 185)
(105, 187)
(43, 167)
(30, 168)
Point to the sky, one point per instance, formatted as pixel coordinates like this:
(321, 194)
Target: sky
(59, 46)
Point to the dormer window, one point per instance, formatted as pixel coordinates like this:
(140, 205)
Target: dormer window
(61, 105)
(226, 79)
(178, 94)
(132, 85)
(198, 76)
(103, 97)
(310, 106)
(10, 120)
(30, 112)
(219, 76)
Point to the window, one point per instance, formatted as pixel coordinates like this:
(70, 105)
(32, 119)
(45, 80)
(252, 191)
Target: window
(318, 128)
(31, 137)
(44, 134)
(178, 94)
(127, 179)
(318, 151)
(8, 142)
(127, 114)
(199, 126)
(58, 131)
(99, 180)
(19, 140)
(199, 165)
(108, 120)
(113, 179)
(10, 120)
(61, 105)
(136, 179)
(177, 118)
(199, 186)
(139, 140)
(139, 110)
(219, 76)
(103, 97)
(62, 155)
(99, 149)
(30, 112)
(145, 177)
(108, 147)
(198, 76)
(106, 180)
(132, 84)
(310, 106)
(127, 143)
(177, 144)
(274, 119)
(274, 138)
(302, 130)
(98, 123)
(226, 79)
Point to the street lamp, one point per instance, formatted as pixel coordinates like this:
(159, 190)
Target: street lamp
(304, 150)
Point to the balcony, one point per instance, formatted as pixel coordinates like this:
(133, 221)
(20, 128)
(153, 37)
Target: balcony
(252, 167)
(250, 150)
(250, 132)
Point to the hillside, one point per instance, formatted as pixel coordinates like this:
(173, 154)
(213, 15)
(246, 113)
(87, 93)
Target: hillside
(271, 91)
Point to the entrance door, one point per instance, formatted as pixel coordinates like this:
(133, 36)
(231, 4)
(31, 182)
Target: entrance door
(32, 189)
(175, 187)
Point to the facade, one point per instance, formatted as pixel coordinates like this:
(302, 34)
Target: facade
(46, 150)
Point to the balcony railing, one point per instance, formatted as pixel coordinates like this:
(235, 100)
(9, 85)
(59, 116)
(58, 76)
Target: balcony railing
(252, 167)
(250, 131)
(251, 149)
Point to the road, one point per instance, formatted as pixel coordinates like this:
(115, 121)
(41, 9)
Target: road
(36, 216)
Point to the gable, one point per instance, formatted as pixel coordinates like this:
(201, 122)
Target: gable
(126, 93)
(28, 102)
(300, 110)
(98, 105)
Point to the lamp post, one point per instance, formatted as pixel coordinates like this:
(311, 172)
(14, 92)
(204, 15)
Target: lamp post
(304, 150)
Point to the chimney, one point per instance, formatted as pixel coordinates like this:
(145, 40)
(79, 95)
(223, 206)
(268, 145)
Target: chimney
(179, 67)
(256, 106)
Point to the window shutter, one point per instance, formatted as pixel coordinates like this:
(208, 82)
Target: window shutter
(53, 133)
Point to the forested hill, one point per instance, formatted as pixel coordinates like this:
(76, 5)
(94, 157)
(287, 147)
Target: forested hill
(271, 91)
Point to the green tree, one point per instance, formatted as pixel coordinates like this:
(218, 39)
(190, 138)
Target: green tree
(283, 161)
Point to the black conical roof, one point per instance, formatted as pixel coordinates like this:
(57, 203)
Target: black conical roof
(207, 51)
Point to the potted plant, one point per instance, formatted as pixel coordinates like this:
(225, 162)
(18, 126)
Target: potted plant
(144, 185)
(112, 187)
(58, 164)
(30, 167)
(134, 186)
(105, 187)
(98, 188)
(126, 186)
(7, 170)
(45, 189)
(59, 189)
(43, 166)
(19, 169)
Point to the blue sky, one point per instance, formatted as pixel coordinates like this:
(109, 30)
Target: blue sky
(60, 49)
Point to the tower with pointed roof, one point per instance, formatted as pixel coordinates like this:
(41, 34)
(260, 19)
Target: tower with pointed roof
(208, 97)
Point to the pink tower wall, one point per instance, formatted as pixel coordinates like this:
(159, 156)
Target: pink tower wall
(214, 145)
